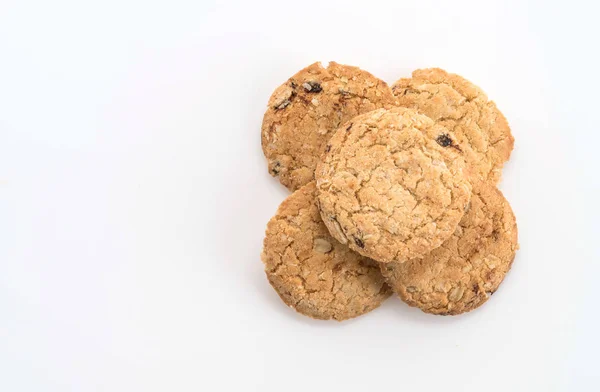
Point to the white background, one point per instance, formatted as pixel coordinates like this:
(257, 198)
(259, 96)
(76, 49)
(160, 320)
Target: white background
(134, 197)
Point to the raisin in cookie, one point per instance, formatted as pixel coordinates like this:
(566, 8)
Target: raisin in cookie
(304, 112)
(460, 275)
(459, 105)
(311, 271)
(392, 184)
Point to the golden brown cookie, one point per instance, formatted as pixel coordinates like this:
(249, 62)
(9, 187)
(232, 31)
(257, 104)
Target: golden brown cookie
(304, 112)
(391, 184)
(459, 105)
(311, 271)
(460, 275)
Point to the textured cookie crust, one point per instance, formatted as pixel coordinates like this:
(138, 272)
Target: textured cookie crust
(311, 271)
(459, 105)
(304, 112)
(460, 275)
(391, 185)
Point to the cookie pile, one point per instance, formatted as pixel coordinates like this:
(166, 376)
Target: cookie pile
(394, 190)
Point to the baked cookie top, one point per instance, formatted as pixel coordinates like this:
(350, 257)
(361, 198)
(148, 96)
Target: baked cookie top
(304, 112)
(460, 275)
(311, 271)
(392, 185)
(480, 128)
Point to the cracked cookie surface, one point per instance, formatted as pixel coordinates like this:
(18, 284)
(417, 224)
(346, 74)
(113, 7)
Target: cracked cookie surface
(460, 275)
(311, 271)
(304, 112)
(464, 109)
(391, 184)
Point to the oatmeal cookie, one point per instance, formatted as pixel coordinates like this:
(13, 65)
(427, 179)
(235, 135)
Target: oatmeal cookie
(467, 269)
(311, 271)
(304, 112)
(459, 105)
(392, 184)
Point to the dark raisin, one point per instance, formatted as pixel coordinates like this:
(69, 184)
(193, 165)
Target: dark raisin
(349, 126)
(476, 288)
(444, 140)
(293, 84)
(359, 242)
(495, 234)
(312, 87)
(275, 168)
(328, 148)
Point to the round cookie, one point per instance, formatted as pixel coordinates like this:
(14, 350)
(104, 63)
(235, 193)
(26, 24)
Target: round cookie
(459, 105)
(460, 275)
(391, 185)
(311, 271)
(304, 112)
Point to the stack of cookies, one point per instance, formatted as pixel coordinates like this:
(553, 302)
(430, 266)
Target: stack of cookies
(394, 191)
